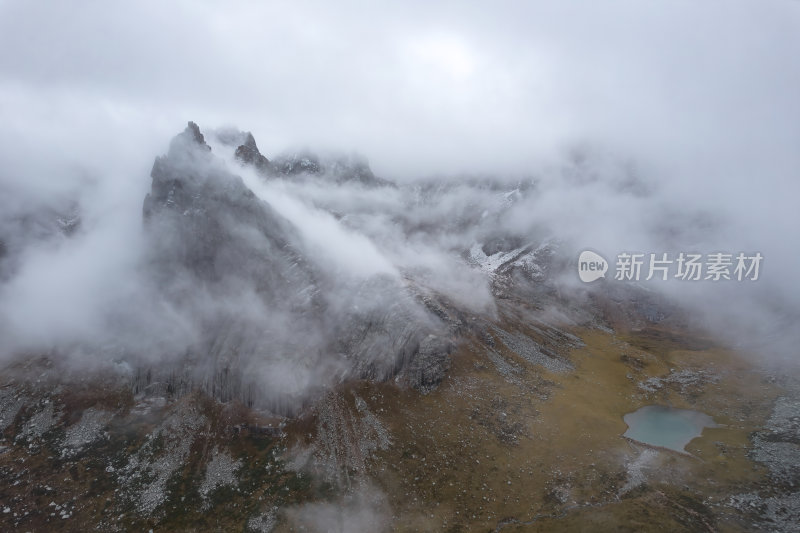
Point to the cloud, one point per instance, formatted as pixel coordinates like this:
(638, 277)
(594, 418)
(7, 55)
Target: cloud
(363, 509)
(426, 89)
(667, 125)
(347, 253)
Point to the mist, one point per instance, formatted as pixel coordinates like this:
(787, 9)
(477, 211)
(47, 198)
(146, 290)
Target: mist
(659, 128)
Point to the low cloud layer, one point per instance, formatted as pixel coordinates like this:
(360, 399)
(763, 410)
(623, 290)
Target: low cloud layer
(657, 128)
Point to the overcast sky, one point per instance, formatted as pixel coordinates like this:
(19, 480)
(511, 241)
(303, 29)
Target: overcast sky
(416, 87)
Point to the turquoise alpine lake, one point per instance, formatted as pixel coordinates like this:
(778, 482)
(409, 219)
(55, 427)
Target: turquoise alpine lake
(667, 427)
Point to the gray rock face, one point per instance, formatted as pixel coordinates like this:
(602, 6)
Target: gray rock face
(274, 324)
(430, 364)
(298, 163)
(778, 446)
(248, 153)
(301, 165)
(532, 352)
(203, 218)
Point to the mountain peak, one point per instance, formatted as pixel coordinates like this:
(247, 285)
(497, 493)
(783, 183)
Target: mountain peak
(193, 130)
(190, 140)
(248, 153)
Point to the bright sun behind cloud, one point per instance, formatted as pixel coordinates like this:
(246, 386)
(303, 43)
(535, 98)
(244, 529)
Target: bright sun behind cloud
(445, 53)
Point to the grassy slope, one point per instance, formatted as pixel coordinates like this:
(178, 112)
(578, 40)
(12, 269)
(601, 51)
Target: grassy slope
(454, 468)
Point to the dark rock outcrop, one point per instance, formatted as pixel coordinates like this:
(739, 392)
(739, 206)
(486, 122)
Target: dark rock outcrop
(248, 153)
(298, 163)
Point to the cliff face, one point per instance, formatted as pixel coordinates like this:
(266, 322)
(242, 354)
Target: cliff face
(274, 323)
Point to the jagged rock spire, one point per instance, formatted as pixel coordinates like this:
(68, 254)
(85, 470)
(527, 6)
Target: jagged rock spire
(194, 130)
(189, 141)
(248, 153)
